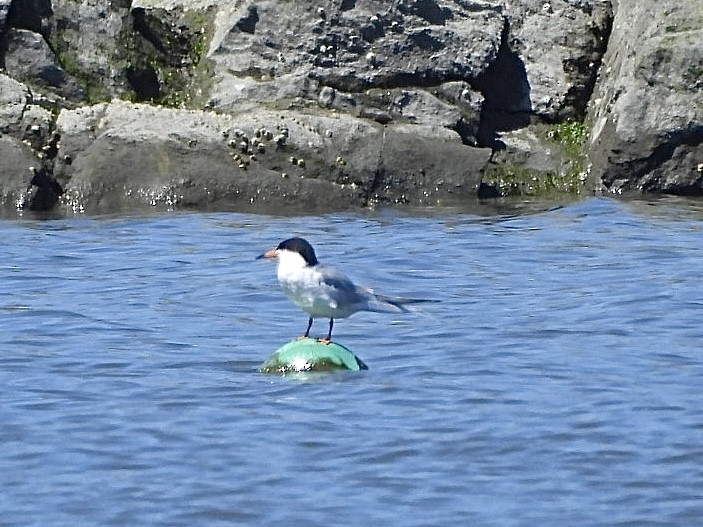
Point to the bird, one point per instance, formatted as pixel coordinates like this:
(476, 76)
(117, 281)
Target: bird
(322, 291)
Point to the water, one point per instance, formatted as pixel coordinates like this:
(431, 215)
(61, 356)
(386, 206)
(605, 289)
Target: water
(557, 382)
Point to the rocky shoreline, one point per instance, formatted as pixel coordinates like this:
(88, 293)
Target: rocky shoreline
(265, 105)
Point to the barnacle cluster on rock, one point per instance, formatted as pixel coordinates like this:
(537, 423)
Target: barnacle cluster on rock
(247, 147)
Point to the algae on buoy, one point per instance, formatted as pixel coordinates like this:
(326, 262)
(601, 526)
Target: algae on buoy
(307, 354)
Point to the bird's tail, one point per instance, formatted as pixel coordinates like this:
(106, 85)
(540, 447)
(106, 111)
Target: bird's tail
(400, 302)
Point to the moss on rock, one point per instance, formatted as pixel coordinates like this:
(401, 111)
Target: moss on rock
(563, 171)
(519, 180)
(166, 56)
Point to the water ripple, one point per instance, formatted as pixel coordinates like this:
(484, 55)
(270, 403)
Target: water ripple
(555, 380)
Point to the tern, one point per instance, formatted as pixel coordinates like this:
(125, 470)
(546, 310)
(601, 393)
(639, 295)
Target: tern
(322, 291)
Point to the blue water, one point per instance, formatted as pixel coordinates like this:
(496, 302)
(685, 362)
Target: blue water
(557, 382)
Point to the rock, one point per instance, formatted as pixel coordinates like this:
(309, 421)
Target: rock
(124, 154)
(166, 53)
(30, 60)
(647, 110)
(93, 41)
(137, 154)
(546, 64)
(79, 35)
(258, 103)
(559, 45)
(417, 106)
(139, 50)
(14, 99)
(15, 181)
(469, 102)
(327, 97)
(20, 117)
(25, 131)
(536, 161)
(297, 53)
(427, 166)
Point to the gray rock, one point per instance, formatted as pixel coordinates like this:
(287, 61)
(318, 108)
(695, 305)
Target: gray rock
(423, 165)
(122, 49)
(372, 45)
(15, 181)
(25, 139)
(358, 60)
(20, 117)
(647, 111)
(420, 107)
(341, 104)
(179, 158)
(30, 60)
(14, 99)
(469, 102)
(93, 40)
(559, 43)
(119, 155)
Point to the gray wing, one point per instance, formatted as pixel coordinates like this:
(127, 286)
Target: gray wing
(342, 291)
(342, 288)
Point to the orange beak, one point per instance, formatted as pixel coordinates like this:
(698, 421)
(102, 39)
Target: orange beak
(268, 254)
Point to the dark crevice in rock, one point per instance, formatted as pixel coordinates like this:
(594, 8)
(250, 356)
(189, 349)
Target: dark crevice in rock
(247, 24)
(487, 191)
(506, 93)
(3, 47)
(172, 39)
(352, 83)
(144, 82)
(4, 12)
(30, 14)
(147, 27)
(466, 131)
(423, 39)
(347, 5)
(586, 68)
(428, 10)
(689, 189)
(165, 55)
(372, 31)
(48, 190)
(45, 189)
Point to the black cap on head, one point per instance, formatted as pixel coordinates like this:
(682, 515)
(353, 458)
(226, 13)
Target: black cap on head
(300, 246)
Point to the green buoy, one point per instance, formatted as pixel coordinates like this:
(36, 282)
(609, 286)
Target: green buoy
(308, 355)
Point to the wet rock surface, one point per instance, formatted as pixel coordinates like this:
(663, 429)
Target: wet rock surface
(258, 105)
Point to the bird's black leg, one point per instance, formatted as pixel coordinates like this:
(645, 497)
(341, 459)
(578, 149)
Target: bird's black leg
(307, 331)
(329, 335)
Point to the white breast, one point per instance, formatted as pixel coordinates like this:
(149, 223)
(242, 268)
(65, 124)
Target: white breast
(303, 285)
